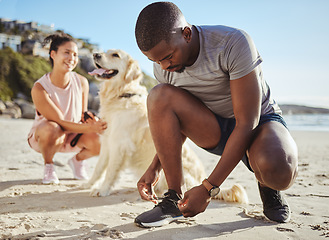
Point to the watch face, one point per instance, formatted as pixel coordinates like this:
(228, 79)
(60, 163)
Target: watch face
(214, 191)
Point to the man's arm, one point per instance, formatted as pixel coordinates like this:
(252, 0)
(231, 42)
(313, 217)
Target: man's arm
(246, 99)
(149, 179)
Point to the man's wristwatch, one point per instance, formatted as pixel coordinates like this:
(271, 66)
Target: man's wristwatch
(212, 190)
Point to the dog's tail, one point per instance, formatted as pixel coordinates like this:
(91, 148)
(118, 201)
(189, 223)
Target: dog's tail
(234, 194)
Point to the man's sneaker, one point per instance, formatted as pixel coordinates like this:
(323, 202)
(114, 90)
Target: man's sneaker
(165, 212)
(78, 169)
(275, 206)
(50, 175)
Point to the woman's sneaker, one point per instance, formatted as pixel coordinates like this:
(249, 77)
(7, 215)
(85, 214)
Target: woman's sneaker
(275, 206)
(50, 175)
(78, 168)
(165, 212)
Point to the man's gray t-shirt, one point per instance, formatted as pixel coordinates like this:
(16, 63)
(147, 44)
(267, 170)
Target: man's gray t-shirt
(225, 54)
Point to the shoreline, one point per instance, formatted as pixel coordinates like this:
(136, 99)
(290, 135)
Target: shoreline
(32, 210)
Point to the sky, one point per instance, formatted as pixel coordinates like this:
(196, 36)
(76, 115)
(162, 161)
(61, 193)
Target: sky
(292, 36)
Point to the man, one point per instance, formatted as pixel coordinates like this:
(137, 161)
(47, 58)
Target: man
(212, 91)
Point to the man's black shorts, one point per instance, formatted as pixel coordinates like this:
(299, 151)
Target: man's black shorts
(227, 125)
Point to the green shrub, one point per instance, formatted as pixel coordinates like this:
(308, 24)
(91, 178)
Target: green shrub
(19, 72)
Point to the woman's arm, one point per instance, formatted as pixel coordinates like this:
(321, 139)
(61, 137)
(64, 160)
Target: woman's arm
(50, 111)
(85, 92)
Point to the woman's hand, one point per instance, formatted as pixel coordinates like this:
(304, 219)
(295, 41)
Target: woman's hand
(194, 202)
(88, 116)
(96, 126)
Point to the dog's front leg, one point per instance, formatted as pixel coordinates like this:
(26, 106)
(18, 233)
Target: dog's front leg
(115, 165)
(101, 165)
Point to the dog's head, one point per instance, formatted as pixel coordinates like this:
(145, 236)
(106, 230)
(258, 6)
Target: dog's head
(115, 64)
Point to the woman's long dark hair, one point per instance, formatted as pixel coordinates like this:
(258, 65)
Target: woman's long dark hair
(56, 40)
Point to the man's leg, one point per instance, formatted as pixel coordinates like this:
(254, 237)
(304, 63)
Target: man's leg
(173, 115)
(273, 156)
(274, 159)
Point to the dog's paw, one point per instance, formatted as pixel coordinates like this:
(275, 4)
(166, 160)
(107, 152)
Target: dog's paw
(100, 192)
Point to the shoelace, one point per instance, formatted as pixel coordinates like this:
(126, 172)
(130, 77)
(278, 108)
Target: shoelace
(166, 200)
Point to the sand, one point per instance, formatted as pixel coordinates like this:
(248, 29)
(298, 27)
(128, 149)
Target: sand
(30, 210)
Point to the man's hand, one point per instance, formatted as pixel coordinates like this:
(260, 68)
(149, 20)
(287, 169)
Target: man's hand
(146, 185)
(194, 202)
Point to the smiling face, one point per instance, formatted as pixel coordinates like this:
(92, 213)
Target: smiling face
(65, 58)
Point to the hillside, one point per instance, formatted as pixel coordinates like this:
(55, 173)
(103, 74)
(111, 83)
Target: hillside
(299, 109)
(18, 72)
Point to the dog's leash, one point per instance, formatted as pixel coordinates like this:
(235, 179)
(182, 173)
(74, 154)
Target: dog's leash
(129, 95)
(86, 115)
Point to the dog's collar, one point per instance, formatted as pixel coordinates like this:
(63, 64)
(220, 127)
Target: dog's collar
(128, 95)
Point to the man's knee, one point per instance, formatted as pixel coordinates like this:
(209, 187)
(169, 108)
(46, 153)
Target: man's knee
(278, 170)
(159, 95)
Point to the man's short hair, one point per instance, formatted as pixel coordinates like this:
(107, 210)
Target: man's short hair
(155, 23)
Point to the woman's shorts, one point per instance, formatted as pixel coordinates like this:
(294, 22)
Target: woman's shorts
(65, 148)
(227, 125)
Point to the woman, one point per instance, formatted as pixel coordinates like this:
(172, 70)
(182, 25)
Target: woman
(61, 98)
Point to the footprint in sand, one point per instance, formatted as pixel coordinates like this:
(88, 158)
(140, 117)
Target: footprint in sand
(125, 216)
(105, 231)
(256, 214)
(281, 229)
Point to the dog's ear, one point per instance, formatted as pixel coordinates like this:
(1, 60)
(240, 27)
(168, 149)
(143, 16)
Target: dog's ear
(133, 70)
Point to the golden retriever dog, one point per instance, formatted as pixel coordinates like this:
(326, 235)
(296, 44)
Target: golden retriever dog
(127, 141)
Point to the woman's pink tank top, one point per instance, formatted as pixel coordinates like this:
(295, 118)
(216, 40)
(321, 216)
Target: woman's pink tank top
(68, 100)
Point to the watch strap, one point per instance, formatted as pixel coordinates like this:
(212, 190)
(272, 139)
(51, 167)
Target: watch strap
(207, 184)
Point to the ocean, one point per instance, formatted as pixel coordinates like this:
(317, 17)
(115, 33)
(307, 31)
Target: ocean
(307, 122)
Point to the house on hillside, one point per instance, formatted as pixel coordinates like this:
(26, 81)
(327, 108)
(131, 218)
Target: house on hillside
(22, 26)
(12, 41)
(33, 45)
